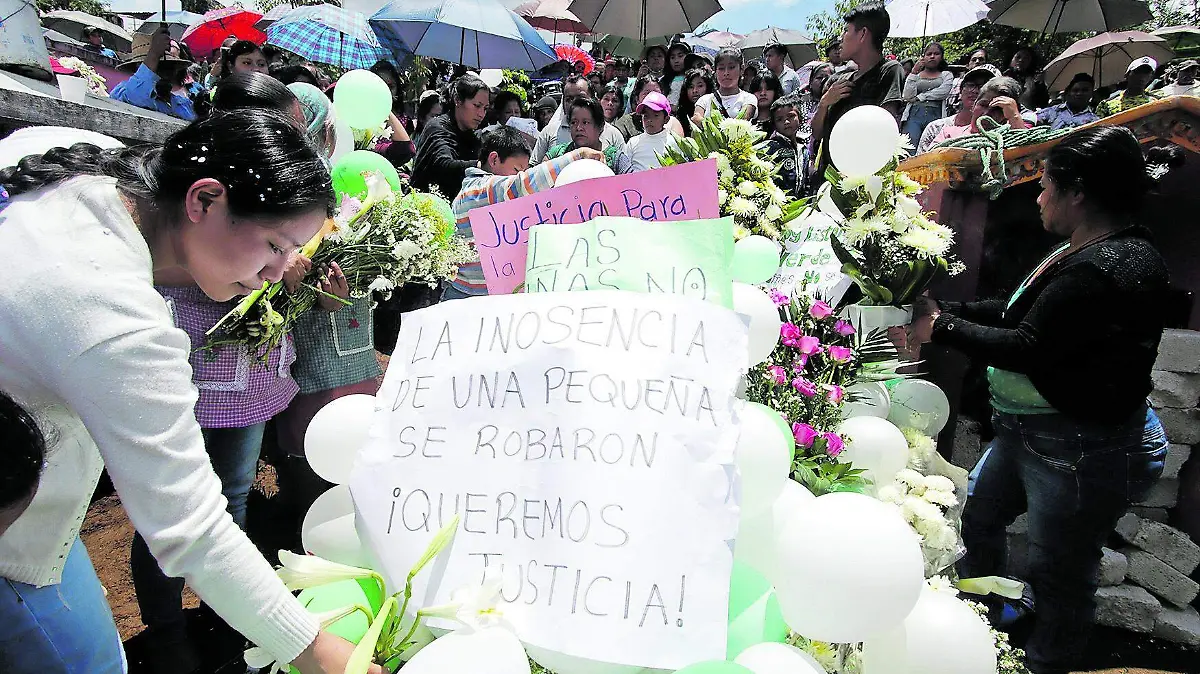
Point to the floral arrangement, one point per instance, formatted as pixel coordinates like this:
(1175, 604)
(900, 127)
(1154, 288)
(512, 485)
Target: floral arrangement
(380, 244)
(388, 637)
(819, 355)
(886, 243)
(95, 81)
(925, 501)
(744, 175)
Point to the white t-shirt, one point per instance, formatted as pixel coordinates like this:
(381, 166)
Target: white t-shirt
(733, 104)
(88, 347)
(645, 149)
(1176, 89)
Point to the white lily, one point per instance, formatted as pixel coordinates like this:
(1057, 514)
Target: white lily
(473, 605)
(300, 572)
(874, 186)
(378, 187)
(259, 658)
(909, 206)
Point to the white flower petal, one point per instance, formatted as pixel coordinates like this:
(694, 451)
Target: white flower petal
(258, 658)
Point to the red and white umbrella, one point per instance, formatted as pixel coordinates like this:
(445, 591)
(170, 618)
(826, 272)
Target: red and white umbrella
(552, 15)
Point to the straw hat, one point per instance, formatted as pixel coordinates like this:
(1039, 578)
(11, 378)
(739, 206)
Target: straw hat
(141, 47)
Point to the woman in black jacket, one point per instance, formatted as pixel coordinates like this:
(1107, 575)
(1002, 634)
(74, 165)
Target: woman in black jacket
(1069, 356)
(448, 145)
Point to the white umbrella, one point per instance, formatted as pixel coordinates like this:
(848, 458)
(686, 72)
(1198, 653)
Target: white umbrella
(644, 18)
(1069, 16)
(1105, 57)
(800, 48)
(175, 22)
(922, 18)
(72, 23)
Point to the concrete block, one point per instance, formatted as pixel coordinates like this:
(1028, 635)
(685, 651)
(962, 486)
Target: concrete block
(1169, 545)
(1163, 494)
(1113, 567)
(1166, 582)
(1182, 426)
(967, 446)
(1177, 455)
(1127, 607)
(1174, 389)
(1180, 626)
(1152, 514)
(1179, 351)
(1127, 526)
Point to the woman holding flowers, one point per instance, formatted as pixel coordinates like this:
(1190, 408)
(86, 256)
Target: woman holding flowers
(89, 346)
(1069, 356)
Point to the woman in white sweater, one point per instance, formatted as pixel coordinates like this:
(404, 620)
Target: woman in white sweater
(88, 347)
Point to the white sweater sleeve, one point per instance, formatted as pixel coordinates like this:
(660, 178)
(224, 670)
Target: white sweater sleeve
(116, 360)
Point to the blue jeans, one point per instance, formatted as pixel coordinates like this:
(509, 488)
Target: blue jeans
(919, 117)
(1075, 479)
(234, 456)
(59, 629)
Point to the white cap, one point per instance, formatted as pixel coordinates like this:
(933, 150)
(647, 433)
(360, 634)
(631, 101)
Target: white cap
(1144, 61)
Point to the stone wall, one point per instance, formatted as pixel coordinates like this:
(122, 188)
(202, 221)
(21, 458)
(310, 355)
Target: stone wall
(1148, 576)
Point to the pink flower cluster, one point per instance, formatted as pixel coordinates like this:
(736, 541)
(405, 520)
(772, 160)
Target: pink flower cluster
(806, 436)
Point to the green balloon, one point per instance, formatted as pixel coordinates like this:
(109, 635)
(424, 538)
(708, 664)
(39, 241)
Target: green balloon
(715, 667)
(441, 206)
(783, 426)
(754, 613)
(755, 259)
(363, 99)
(347, 174)
(364, 592)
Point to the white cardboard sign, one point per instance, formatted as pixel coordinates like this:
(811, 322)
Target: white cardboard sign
(809, 263)
(587, 441)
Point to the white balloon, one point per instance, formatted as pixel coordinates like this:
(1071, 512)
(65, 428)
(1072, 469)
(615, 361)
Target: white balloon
(875, 555)
(493, 77)
(876, 446)
(942, 635)
(762, 456)
(867, 399)
(764, 320)
(493, 650)
(919, 404)
(560, 663)
(343, 139)
(772, 658)
(583, 169)
(863, 140)
(328, 529)
(758, 532)
(336, 434)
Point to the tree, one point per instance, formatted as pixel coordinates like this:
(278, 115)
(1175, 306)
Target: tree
(93, 7)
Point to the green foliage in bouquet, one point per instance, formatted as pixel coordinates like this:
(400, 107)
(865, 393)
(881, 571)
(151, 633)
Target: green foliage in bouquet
(744, 175)
(885, 242)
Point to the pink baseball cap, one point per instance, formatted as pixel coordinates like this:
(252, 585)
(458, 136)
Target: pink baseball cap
(655, 101)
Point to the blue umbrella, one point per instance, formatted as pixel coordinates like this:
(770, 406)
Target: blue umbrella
(328, 34)
(475, 33)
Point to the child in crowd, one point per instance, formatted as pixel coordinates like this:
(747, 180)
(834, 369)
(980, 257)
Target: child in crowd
(730, 100)
(788, 150)
(646, 148)
(673, 75)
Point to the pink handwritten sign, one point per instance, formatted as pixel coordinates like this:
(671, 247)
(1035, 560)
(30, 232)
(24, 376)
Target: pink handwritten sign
(684, 192)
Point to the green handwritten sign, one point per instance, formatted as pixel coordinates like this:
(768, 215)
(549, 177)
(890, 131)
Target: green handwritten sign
(688, 257)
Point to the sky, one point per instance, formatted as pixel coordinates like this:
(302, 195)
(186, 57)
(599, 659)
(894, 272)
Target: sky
(743, 16)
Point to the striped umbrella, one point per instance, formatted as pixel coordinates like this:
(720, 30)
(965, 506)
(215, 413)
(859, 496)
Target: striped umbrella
(329, 34)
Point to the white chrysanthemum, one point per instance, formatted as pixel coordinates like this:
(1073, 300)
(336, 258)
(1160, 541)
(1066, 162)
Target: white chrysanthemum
(722, 162)
(741, 206)
(907, 184)
(910, 477)
(722, 197)
(893, 493)
(859, 230)
(938, 483)
(943, 537)
(851, 183)
(727, 175)
(941, 230)
(941, 584)
(740, 232)
(925, 242)
(760, 167)
(773, 212)
(747, 188)
(900, 222)
(946, 499)
(904, 146)
(403, 250)
(777, 195)
(737, 129)
(381, 284)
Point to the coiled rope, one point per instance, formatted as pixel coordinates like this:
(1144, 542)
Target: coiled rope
(991, 144)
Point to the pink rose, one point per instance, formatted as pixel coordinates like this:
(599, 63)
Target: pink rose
(804, 387)
(778, 375)
(807, 345)
(820, 310)
(844, 328)
(790, 334)
(835, 394)
(778, 298)
(833, 444)
(800, 363)
(840, 354)
(805, 435)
